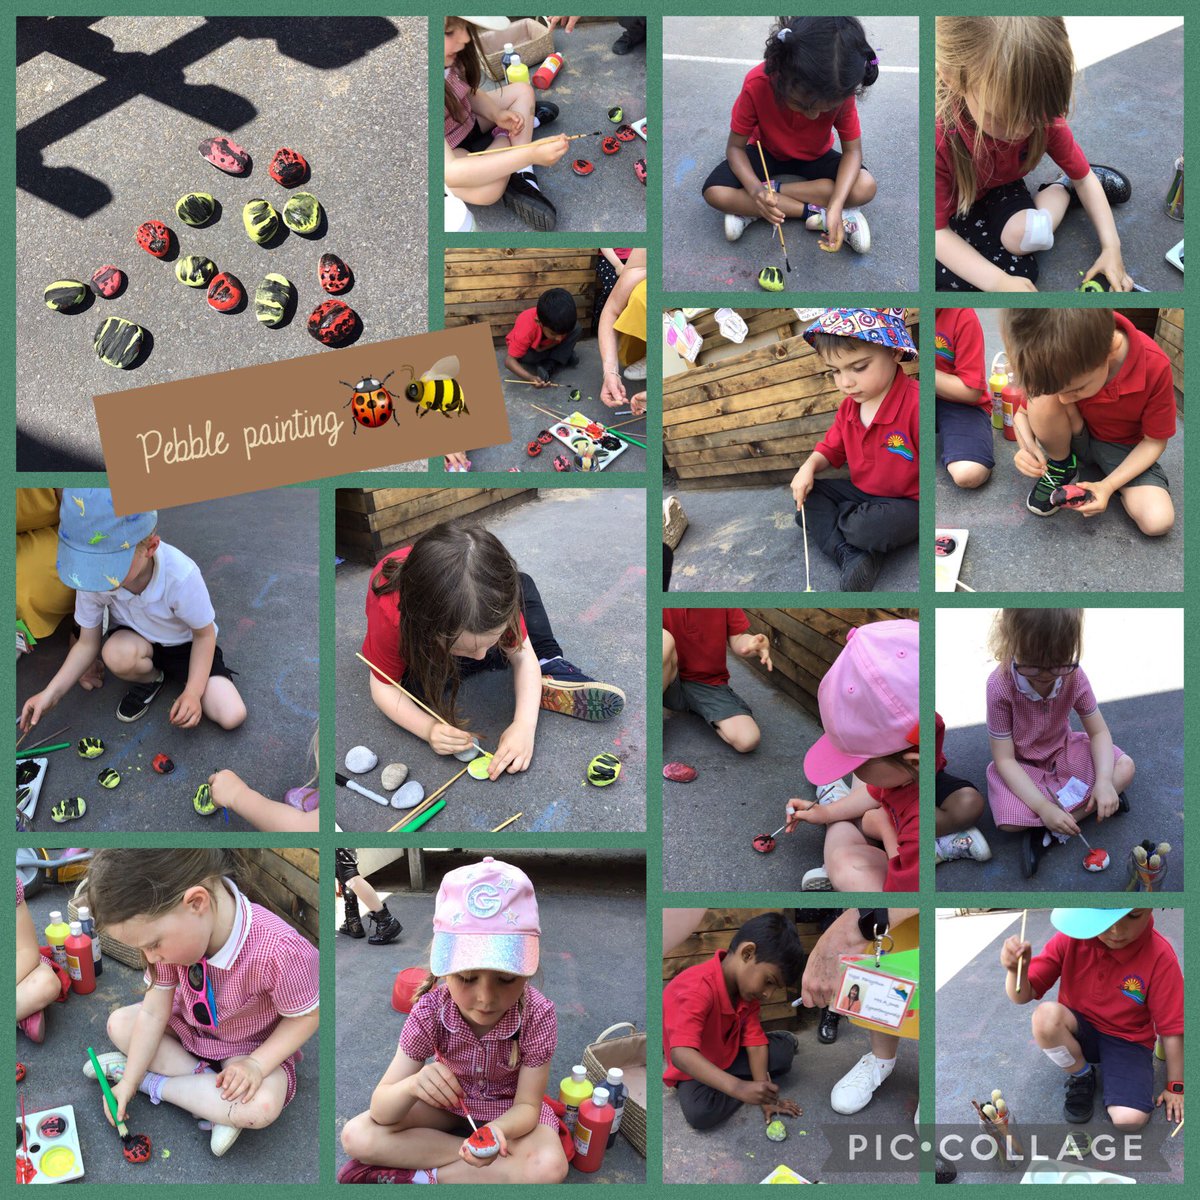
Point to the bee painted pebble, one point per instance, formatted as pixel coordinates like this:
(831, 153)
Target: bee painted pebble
(108, 778)
(89, 747)
(202, 801)
(195, 208)
(272, 299)
(603, 770)
(260, 220)
(195, 271)
(770, 279)
(118, 342)
(64, 294)
(302, 213)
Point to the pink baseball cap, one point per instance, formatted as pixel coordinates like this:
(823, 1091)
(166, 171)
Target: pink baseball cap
(869, 700)
(485, 919)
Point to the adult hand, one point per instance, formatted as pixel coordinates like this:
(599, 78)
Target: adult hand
(186, 711)
(612, 390)
(822, 976)
(445, 739)
(515, 751)
(240, 1079)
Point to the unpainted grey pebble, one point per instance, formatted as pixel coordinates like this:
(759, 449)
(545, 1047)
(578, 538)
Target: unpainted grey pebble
(409, 796)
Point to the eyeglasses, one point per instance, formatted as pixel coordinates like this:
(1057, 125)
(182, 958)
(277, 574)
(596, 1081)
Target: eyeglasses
(204, 1008)
(1028, 672)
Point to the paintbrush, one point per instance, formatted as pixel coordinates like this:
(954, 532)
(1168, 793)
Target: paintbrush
(506, 824)
(622, 424)
(1021, 960)
(779, 227)
(110, 1099)
(52, 736)
(530, 383)
(571, 137)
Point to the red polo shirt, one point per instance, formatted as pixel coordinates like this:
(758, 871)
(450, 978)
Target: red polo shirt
(698, 1013)
(785, 133)
(1139, 401)
(903, 805)
(526, 334)
(882, 455)
(1134, 993)
(998, 163)
(958, 348)
(701, 640)
(939, 733)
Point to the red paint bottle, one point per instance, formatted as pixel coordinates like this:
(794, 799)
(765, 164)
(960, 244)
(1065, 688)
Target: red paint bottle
(591, 1131)
(80, 966)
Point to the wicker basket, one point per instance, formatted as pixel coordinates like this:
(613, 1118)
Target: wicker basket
(532, 40)
(629, 1053)
(128, 955)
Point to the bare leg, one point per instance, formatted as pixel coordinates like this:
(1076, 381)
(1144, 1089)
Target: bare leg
(1054, 1025)
(199, 1095)
(424, 1137)
(1052, 200)
(222, 704)
(969, 475)
(1151, 510)
(130, 657)
(884, 1045)
(366, 893)
(536, 1158)
(169, 1059)
(37, 990)
(1052, 425)
(741, 732)
(960, 810)
(853, 865)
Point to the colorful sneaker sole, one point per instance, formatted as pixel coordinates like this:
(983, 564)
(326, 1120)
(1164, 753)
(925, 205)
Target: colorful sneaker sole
(584, 701)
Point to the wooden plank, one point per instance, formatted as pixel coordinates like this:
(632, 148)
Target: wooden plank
(402, 531)
(308, 861)
(751, 450)
(494, 285)
(783, 463)
(754, 479)
(793, 350)
(732, 436)
(527, 261)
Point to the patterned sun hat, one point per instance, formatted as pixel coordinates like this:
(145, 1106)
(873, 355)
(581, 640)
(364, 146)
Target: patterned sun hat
(485, 919)
(879, 326)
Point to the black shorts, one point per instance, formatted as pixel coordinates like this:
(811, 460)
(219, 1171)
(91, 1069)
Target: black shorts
(174, 661)
(981, 229)
(946, 784)
(345, 864)
(477, 139)
(1126, 1068)
(825, 167)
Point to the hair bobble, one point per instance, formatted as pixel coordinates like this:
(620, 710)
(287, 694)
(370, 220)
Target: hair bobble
(785, 33)
(872, 57)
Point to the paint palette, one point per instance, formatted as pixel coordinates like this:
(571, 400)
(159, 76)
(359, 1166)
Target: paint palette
(583, 436)
(53, 1140)
(31, 772)
(639, 127)
(950, 546)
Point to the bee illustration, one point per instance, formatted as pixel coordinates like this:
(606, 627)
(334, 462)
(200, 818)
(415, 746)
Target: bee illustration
(372, 402)
(438, 390)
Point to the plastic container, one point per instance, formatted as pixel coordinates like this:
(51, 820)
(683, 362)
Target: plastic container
(618, 1093)
(572, 1092)
(57, 933)
(545, 75)
(592, 1130)
(78, 947)
(517, 71)
(405, 988)
(89, 927)
(1012, 401)
(507, 57)
(1174, 204)
(997, 382)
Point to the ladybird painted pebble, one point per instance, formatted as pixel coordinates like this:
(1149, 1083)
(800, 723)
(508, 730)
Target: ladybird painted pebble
(610, 145)
(225, 292)
(334, 275)
(288, 167)
(162, 764)
(272, 298)
(155, 238)
(118, 342)
(226, 155)
(534, 448)
(195, 208)
(562, 462)
(64, 294)
(626, 133)
(333, 323)
(302, 213)
(137, 1149)
(108, 281)
(20, 1072)
(639, 169)
(545, 437)
(195, 271)
(581, 166)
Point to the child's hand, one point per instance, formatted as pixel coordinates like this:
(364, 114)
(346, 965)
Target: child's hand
(515, 751)
(1106, 800)
(1012, 952)
(1111, 265)
(1174, 1105)
(510, 121)
(36, 707)
(465, 1154)
(445, 739)
(1014, 283)
(436, 1084)
(547, 153)
(225, 786)
(802, 484)
(757, 1091)
(1058, 821)
(1029, 459)
(186, 711)
(239, 1079)
(759, 644)
(767, 203)
(782, 1107)
(807, 811)
(637, 403)
(457, 461)
(539, 382)
(1101, 495)
(835, 231)
(122, 1092)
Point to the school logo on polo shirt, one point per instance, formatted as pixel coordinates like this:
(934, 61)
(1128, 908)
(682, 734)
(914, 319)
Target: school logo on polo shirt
(1134, 987)
(943, 351)
(897, 443)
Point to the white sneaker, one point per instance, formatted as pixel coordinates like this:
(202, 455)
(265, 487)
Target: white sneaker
(222, 1138)
(735, 226)
(852, 1093)
(858, 233)
(968, 844)
(816, 880)
(827, 793)
(636, 370)
(112, 1064)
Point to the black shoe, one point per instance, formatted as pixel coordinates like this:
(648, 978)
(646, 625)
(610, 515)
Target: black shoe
(528, 203)
(573, 361)
(353, 927)
(1032, 848)
(827, 1031)
(944, 1172)
(139, 698)
(542, 372)
(1122, 803)
(627, 42)
(546, 113)
(859, 568)
(1040, 501)
(1117, 188)
(1079, 1100)
(387, 928)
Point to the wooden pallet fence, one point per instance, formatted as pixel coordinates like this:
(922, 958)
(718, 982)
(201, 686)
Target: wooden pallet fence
(1169, 335)
(289, 880)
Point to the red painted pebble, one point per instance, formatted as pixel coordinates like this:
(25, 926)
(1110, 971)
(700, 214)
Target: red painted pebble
(20, 1072)
(679, 772)
(625, 133)
(1096, 860)
(534, 448)
(108, 281)
(225, 154)
(154, 237)
(137, 1149)
(335, 276)
(482, 1143)
(332, 323)
(162, 764)
(562, 462)
(225, 292)
(581, 166)
(288, 167)
(639, 169)
(545, 437)
(610, 145)
(764, 843)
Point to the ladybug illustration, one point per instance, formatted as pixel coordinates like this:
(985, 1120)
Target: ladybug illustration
(225, 292)
(137, 1149)
(155, 238)
(610, 145)
(371, 402)
(332, 323)
(335, 276)
(288, 167)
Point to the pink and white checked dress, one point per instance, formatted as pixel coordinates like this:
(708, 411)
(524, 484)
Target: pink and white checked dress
(436, 1029)
(265, 971)
(1047, 748)
(460, 89)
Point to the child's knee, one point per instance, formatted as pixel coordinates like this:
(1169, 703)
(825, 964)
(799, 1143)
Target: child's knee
(547, 1164)
(231, 714)
(120, 655)
(969, 474)
(966, 805)
(120, 1025)
(1127, 1118)
(1047, 1020)
(743, 736)
(1156, 518)
(1028, 232)
(522, 94)
(864, 189)
(262, 1109)
(355, 1139)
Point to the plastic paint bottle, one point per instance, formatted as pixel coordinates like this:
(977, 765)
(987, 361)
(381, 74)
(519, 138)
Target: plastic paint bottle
(506, 57)
(545, 75)
(517, 71)
(591, 1131)
(997, 382)
(572, 1092)
(89, 927)
(1012, 400)
(79, 960)
(618, 1093)
(57, 933)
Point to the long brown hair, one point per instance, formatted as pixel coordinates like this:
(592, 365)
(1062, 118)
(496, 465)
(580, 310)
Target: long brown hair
(1021, 69)
(457, 579)
(470, 64)
(1037, 636)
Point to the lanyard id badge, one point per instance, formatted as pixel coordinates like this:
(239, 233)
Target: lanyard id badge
(878, 987)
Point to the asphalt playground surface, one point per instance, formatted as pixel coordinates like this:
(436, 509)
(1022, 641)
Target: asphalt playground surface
(526, 422)
(110, 112)
(705, 61)
(592, 80)
(263, 585)
(984, 1041)
(747, 539)
(595, 602)
(738, 1150)
(285, 1152)
(577, 972)
(1011, 550)
(710, 823)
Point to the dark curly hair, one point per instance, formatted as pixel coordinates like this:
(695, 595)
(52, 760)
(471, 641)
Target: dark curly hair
(814, 61)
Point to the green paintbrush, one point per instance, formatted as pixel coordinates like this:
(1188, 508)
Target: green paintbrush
(34, 751)
(122, 1129)
(416, 824)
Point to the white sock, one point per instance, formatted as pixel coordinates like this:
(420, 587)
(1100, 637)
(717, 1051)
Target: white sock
(429, 1176)
(886, 1066)
(530, 178)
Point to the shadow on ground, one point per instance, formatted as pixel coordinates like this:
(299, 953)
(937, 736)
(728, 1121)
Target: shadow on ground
(285, 1152)
(257, 554)
(595, 602)
(602, 893)
(1150, 730)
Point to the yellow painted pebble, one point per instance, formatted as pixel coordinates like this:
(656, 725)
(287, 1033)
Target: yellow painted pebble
(108, 778)
(90, 747)
(477, 768)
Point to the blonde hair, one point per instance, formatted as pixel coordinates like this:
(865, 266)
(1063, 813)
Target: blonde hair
(1044, 637)
(1022, 72)
(1049, 347)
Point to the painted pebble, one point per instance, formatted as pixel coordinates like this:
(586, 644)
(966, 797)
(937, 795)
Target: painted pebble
(467, 755)
(202, 801)
(770, 279)
(118, 342)
(482, 1143)
(226, 155)
(70, 809)
(225, 292)
(302, 213)
(764, 843)
(154, 237)
(361, 759)
(195, 208)
(394, 774)
(162, 764)
(477, 768)
(679, 772)
(332, 323)
(288, 167)
(195, 271)
(272, 298)
(616, 114)
(89, 747)
(108, 281)
(137, 1149)
(260, 220)
(1096, 860)
(409, 796)
(108, 778)
(603, 770)
(64, 294)
(776, 1131)
(334, 275)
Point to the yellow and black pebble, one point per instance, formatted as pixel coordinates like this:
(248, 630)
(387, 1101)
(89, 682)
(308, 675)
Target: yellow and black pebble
(272, 298)
(770, 279)
(108, 778)
(64, 294)
(196, 208)
(202, 801)
(90, 747)
(603, 770)
(195, 271)
(70, 809)
(261, 221)
(302, 213)
(118, 342)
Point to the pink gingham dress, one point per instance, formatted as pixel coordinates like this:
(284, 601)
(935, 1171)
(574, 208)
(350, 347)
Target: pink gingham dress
(457, 131)
(436, 1029)
(1047, 748)
(265, 971)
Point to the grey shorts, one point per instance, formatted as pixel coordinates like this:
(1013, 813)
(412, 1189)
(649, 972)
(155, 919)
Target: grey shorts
(1108, 456)
(712, 701)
